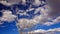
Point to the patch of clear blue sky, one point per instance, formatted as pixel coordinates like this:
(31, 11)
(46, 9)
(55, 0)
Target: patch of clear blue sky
(10, 28)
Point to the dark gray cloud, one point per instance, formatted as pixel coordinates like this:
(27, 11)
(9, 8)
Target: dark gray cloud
(55, 7)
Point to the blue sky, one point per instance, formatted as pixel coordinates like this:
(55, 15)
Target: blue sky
(11, 28)
(8, 28)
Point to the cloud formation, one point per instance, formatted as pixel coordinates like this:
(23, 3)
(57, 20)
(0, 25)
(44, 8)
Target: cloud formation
(36, 3)
(41, 31)
(25, 23)
(6, 3)
(43, 18)
(7, 16)
(46, 14)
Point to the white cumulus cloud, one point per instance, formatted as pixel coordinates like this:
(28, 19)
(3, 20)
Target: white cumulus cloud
(7, 16)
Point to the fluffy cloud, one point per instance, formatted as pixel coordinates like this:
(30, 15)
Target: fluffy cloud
(6, 3)
(41, 19)
(36, 3)
(26, 23)
(54, 21)
(7, 16)
(48, 23)
(11, 2)
(41, 31)
(23, 2)
(22, 12)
